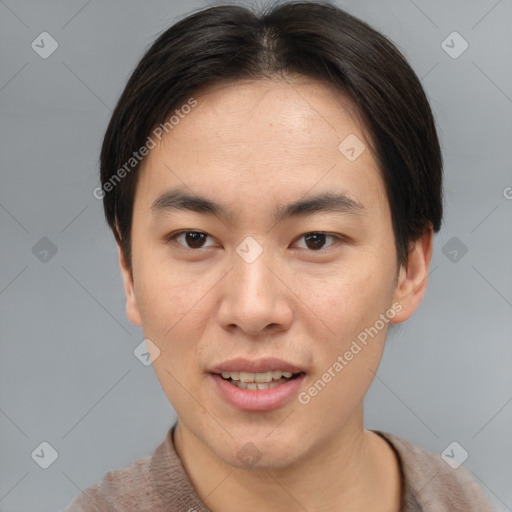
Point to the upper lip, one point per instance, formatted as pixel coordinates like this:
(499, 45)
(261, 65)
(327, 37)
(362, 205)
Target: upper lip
(266, 364)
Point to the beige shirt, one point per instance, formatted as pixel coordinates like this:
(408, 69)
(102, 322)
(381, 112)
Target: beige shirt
(159, 483)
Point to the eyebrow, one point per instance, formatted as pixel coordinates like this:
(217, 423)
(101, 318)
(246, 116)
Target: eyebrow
(326, 202)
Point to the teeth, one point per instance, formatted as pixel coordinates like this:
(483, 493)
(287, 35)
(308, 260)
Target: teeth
(259, 378)
(247, 377)
(262, 377)
(256, 385)
(233, 375)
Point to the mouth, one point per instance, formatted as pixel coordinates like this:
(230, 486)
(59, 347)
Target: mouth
(257, 385)
(259, 381)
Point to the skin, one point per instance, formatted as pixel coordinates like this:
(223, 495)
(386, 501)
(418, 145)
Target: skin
(253, 145)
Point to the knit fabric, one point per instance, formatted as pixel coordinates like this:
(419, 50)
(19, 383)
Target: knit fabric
(159, 483)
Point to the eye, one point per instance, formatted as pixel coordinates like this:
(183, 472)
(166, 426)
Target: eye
(315, 240)
(192, 239)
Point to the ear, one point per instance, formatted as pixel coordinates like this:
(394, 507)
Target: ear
(132, 309)
(412, 278)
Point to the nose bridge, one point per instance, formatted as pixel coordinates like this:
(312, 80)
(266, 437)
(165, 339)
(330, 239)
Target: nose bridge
(252, 277)
(253, 297)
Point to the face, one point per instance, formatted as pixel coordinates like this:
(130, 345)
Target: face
(294, 300)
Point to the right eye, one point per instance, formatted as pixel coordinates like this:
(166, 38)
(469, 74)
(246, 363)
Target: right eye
(191, 239)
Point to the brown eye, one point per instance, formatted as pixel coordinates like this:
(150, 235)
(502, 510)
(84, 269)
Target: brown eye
(316, 240)
(192, 239)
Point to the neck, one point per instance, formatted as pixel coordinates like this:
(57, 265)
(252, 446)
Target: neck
(354, 470)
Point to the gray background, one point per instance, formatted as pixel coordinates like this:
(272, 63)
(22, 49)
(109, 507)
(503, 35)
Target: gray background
(68, 375)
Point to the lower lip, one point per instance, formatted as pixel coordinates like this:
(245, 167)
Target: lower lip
(259, 399)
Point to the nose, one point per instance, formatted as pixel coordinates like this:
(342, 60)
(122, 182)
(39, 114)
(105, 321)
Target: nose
(255, 299)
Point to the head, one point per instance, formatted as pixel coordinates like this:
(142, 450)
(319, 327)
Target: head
(273, 182)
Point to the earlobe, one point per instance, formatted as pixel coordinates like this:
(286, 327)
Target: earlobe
(412, 278)
(132, 308)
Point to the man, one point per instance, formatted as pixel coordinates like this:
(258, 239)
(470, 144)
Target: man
(274, 183)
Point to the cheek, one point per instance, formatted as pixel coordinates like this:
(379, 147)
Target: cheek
(351, 306)
(171, 312)
(355, 299)
(163, 290)
(346, 361)
(175, 306)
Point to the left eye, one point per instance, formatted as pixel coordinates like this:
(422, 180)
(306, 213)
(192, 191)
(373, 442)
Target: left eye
(316, 240)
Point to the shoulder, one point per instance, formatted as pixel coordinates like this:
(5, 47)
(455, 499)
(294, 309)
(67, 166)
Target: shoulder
(434, 484)
(151, 484)
(125, 489)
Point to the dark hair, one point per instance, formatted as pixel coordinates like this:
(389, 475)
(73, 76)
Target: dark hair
(313, 39)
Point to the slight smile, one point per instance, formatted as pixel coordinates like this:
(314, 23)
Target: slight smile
(257, 385)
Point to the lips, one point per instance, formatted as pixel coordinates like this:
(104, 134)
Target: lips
(266, 364)
(257, 385)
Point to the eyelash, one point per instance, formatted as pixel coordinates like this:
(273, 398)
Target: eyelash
(173, 236)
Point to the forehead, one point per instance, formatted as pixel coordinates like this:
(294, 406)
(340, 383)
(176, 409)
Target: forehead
(293, 112)
(280, 137)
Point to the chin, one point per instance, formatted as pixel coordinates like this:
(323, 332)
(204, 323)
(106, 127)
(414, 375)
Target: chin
(261, 449)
